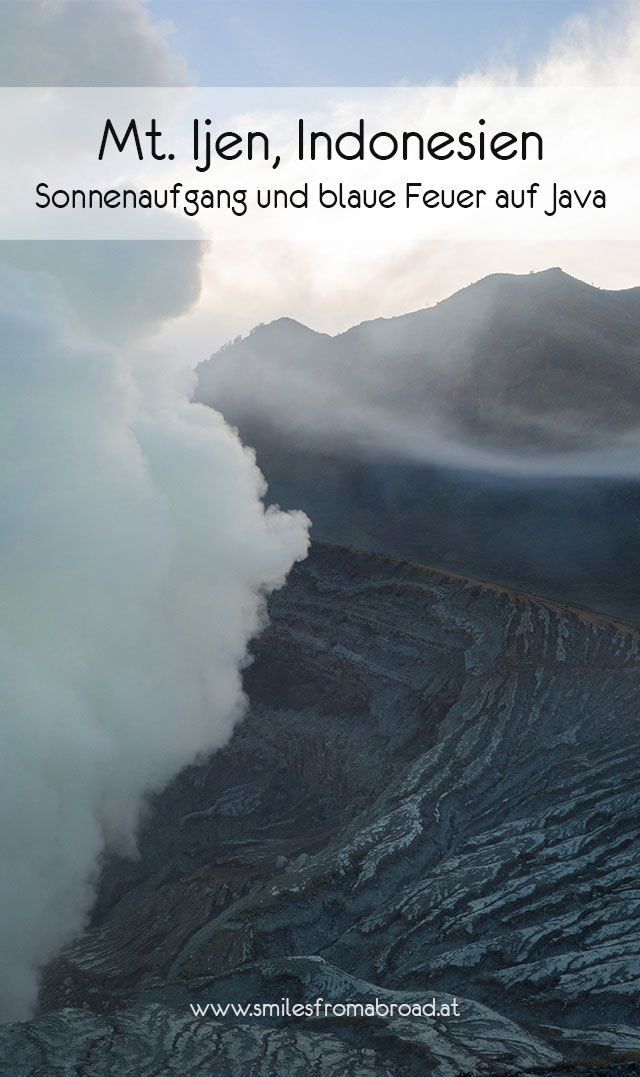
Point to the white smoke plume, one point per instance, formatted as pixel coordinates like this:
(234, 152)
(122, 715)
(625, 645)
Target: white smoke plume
(135, 549)
(86, 43)
(136, 555)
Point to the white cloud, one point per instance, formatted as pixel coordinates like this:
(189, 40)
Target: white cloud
(119, 290)
(75, 43)
(600, 47)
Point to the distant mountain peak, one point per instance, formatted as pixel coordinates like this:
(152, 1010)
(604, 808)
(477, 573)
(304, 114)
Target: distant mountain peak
(515, 365)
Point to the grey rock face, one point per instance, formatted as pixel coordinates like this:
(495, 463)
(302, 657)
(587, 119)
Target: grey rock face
(434, 795)
(152, 1041)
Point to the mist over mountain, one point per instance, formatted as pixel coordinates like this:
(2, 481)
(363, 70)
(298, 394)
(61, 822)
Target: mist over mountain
(496, 434)
(514, 367)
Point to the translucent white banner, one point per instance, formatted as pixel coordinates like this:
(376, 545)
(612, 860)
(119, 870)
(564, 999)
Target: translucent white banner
(375, 166)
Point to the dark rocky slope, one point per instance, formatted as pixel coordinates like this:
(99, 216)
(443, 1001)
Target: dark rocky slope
(435, 793)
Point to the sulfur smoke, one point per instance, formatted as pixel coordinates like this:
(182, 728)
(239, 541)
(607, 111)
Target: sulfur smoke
(136, 557)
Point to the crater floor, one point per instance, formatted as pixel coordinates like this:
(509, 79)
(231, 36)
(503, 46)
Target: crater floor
(434, 793)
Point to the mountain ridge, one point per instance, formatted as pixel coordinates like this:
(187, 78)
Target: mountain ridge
(491, 586)
(523, 365)
(553, 273)
(506, 450)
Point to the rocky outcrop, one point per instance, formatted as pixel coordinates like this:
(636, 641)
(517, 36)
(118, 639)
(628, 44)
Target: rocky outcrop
(434, 795)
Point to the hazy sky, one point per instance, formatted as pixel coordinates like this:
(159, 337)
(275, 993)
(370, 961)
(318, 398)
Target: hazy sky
(357, 43)
(349, 42)
(493, 42)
